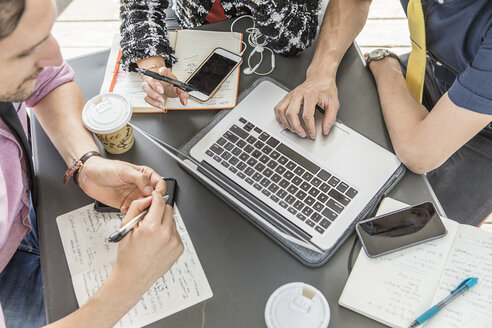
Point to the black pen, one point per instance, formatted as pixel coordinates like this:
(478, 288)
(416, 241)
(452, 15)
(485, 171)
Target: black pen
(124, 230)
(181, 85)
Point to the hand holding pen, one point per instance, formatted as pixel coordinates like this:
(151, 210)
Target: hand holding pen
(149, 250)
(124, 230)
(163, 84)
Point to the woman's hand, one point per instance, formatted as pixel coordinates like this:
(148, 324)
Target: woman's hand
(156, 90)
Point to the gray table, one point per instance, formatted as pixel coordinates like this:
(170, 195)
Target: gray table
(242, 264)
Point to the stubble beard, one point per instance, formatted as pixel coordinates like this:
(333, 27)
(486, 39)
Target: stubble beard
(24, 90)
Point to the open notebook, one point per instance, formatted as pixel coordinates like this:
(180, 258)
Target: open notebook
(191, 48)
(84, 234)
(397, 288)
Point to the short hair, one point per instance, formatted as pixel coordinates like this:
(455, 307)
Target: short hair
(10, 14)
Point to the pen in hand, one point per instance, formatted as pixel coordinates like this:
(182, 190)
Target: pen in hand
(464, 286)
(124, 230)
(181, 85)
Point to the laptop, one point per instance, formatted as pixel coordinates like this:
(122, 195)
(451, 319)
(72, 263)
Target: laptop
(313, 190)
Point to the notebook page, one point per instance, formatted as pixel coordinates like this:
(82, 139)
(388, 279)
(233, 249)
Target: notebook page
(192, 47)
(90, 258)
(395, 289)
(470, 256)
(128, 84)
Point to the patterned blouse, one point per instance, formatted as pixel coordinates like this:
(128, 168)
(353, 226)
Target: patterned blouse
(289, 26)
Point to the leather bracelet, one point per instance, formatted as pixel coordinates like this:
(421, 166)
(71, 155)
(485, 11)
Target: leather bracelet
(77, 166)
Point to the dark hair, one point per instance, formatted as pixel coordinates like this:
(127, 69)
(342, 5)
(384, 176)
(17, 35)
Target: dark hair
(10, 14)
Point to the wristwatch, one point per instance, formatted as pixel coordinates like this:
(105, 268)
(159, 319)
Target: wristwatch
(379, 54)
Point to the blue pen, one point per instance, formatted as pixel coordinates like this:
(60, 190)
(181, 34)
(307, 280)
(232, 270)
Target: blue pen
(464, 286)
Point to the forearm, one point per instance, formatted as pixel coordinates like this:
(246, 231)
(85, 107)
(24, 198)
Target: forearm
(60, 115)
(111, 302)
(144, 31)
(343, 21)
(403, 115)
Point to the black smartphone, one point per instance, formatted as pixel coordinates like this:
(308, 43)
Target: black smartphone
(400, 229)
(171, 185)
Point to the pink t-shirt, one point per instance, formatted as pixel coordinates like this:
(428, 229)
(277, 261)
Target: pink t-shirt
(14, 184)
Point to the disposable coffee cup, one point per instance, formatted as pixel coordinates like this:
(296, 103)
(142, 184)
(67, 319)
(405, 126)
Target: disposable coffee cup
(107, 116)
(297, 305)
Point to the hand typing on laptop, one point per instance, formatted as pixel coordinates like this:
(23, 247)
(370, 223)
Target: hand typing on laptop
(318, 89)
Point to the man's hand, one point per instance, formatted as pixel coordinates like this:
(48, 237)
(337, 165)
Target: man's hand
(153, 246)
(316, 90)
(118, 183)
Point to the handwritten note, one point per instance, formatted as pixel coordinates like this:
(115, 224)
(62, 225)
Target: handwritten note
(397, 288)
(470, 256)
(191, 48)
(90, 258)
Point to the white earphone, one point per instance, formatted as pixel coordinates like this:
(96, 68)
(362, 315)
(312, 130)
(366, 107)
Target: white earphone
(254, 35)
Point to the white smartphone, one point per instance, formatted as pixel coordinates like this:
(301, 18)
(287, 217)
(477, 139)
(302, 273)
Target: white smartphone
(212, 72)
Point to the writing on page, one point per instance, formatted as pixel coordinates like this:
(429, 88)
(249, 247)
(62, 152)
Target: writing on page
(90, 259)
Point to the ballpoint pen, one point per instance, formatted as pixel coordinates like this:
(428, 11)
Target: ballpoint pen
(124, 230)
(464, 286)
(181, 85)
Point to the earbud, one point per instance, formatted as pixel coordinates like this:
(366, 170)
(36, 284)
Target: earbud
(254, 36)
(249, 70)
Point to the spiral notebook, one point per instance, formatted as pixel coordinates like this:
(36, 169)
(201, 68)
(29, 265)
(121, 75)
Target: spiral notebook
(191, 48)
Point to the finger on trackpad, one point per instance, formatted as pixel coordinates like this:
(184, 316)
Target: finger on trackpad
(322, 146)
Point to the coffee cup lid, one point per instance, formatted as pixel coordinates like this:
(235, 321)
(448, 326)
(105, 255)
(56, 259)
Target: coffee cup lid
(106, 113)
(297, 305)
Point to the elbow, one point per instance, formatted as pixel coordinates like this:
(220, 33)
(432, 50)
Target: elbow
(417, 159)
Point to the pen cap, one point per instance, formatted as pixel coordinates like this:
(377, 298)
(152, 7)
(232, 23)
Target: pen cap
(297, 305)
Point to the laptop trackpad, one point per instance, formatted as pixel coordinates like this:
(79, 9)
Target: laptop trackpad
(322, 146)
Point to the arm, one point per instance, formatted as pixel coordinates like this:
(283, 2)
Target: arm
(422, 140)
(143, 32)
(112, 182)
(299, 22)
(144, 41)
(144, 255)
(343, 20)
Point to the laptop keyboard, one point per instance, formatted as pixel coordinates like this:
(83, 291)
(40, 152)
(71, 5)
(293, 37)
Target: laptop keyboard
(298, 185)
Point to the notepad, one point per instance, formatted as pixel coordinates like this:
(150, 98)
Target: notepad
(397, 288)
(90, 257)
(191, 48)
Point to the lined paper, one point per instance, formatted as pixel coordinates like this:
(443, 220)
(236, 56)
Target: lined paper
(470, 256)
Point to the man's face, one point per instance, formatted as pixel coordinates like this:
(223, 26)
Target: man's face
(27, 50)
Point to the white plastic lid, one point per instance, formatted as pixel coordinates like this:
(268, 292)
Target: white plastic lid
(297, 305)
(106, 113)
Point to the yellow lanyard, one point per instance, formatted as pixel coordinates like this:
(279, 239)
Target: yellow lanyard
(417, 60)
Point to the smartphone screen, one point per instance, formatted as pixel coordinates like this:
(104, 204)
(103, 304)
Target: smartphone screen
(397, 230)
(209, 76)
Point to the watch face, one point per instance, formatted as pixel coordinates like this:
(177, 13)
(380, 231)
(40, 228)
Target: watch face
(377, 54)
